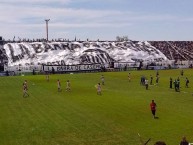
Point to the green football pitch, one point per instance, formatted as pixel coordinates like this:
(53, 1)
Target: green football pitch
(81, 117)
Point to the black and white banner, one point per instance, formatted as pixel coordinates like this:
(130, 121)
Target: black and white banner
(73, 53)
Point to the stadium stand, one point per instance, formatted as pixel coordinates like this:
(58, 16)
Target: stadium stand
(175, 50)
(172, 50)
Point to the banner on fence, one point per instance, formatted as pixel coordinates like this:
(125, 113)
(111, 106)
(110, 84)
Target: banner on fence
(126, 64)
(18, 68)
(72, 68)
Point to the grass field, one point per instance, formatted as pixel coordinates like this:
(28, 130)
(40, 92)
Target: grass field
(81, 117)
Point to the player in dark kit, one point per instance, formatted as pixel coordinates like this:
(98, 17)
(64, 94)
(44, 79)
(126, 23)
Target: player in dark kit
(187, 82)
(153, 108)
(142, 82)
(184, 141)
(171, 82)
(176, 85)
(157, 73)
(157, 79)
(182, 72)
(151, 80)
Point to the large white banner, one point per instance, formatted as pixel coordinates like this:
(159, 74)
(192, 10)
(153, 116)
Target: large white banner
(73, 53)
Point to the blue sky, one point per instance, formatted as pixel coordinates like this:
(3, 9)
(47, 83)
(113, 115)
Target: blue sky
(98, 19)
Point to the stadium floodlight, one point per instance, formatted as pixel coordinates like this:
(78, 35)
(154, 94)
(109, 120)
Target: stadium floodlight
(47, 20)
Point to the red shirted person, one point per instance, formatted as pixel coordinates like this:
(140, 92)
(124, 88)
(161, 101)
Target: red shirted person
(153, 108)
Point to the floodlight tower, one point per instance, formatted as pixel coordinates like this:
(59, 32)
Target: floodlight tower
(47, 20)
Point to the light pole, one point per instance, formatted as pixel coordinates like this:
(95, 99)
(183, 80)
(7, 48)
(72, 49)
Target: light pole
(47, 20)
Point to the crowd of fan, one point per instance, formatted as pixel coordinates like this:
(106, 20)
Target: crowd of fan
(175, 50)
